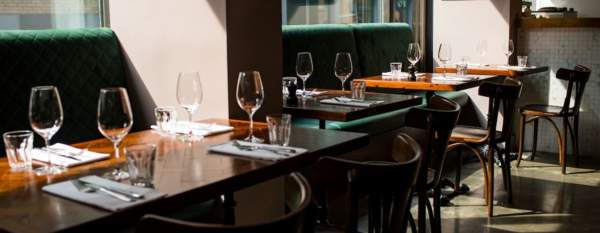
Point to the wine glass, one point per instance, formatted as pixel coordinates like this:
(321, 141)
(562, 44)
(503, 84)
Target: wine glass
(481, 49)
(413, 55)
(508, 49)
(46, 118)
(343, 67)
(114, 121)
(304, 68)
(189, 92)
(445, 55)
(250, 95)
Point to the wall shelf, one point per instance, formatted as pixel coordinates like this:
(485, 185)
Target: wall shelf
(560, 22)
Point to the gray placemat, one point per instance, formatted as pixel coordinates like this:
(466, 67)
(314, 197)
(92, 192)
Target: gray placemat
(68, 190)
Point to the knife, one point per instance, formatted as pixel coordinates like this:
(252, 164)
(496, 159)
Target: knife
(89, 188)
(129, 194)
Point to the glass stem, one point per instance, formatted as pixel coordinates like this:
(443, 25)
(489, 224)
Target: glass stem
(343, 84)
(116, 148)
(47, 143)
(251, 116)
(190, 116)
(303, 87)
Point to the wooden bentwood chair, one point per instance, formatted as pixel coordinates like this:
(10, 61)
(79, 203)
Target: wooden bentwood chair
(577, 79)
(298, 197)
(500, 94)
(387, 184)
(431, 126)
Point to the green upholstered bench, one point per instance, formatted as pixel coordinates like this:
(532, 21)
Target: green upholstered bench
(78, 62)
(373, 46)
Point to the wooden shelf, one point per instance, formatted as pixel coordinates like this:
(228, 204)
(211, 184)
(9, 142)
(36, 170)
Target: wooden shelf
(561, 22)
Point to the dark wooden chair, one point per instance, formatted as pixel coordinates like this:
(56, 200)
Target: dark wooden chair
(577, 78)
(298, 198)
(500, 94)
(431, 126)
(387, 184)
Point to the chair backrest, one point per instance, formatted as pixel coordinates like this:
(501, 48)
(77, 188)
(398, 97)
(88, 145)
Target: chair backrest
(438, 119)
(392, 179)
(292, 222)
(577, 79)
(501, 94)
(79, 62)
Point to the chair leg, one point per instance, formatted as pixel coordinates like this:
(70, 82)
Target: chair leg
(458, 171)
(534, 144)
(561, 145)
(490, 195)
(481, 161)
(431, 215)
(437, 216)
(411, 222)
(508, 175)
(565, 137)
(352, 226)
(521, 139)
(576, 136)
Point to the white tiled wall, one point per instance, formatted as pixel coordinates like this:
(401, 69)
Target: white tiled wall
(557, 48)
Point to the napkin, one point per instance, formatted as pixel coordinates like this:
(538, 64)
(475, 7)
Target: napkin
(350, 102)
(388, 75)
(311, 93)
(260, 151)
(453, 77)
(198, 129)
(68, 190)
(517, 68)
(67, 156)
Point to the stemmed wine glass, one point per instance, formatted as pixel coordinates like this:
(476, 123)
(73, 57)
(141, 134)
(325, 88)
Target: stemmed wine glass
(508, 49)
(343, 67)
(304, 68)
(445, 55)
(46, 118)
(250, 96)
(481, 49)
(413, 55)
(189, 92)
(114, 121)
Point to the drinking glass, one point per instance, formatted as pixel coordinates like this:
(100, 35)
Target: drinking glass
(140, 161)
(189, 92)
(358, 88)
(18, 146)
(445, 55)
(522, 61)
(343, 67)
(46, 118)
(304, 68)
(280, 127)
(508, 49)
(396, 69)
(414, 53)
(481, 49)
(114, 121)
(250, 94)
(165, 118)
(286, 82)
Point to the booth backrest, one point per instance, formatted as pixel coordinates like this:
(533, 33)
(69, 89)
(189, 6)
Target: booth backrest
(373, 47)
(77, 61)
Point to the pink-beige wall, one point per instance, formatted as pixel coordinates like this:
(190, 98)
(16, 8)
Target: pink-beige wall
(163, 37)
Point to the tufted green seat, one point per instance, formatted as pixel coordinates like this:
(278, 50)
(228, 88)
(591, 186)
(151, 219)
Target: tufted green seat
(78, 62)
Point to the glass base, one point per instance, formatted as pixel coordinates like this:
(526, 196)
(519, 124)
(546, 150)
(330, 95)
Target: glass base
(252, 138)
(117, 175)
(49, 170)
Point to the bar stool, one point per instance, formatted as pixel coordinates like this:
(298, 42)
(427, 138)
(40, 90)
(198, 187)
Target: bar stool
(577, 78)
(298, 197)
(505, 94)
(387, 184)
(431, 126)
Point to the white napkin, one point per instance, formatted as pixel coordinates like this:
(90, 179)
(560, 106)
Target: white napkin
(402, 75)
(67, 156)
(350, 102)
(99, 199)
(311, 93)
(198, 129)
(260, 151)
(517, 68)
(454, 77)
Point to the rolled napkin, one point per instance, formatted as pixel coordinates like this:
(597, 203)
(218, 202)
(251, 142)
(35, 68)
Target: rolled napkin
(256, 150)
(350, 102)
(67, 156)
(311, 93)
(86, 190)
(197, 129)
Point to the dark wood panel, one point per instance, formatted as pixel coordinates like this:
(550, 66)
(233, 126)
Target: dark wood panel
(561, 22)
(185, 171)
(312, 108)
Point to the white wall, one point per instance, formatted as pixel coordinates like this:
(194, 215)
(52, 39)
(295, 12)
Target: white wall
(584, 8)
(464, 23)
(162, 38)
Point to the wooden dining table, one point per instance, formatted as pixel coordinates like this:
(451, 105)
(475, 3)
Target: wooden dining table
(184, 170)
(496, 70)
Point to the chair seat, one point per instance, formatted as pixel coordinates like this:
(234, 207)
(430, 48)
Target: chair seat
(470, 134)
(542, 110)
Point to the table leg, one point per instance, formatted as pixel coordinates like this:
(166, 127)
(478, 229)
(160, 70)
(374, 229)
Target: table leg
(321, 124)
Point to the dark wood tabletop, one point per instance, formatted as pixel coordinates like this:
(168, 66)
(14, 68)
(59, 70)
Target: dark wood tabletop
(185, 171)
(312, 108)
(427, 83)
(496, 70)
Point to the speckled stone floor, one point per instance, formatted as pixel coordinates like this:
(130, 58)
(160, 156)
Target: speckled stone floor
(544, 199)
